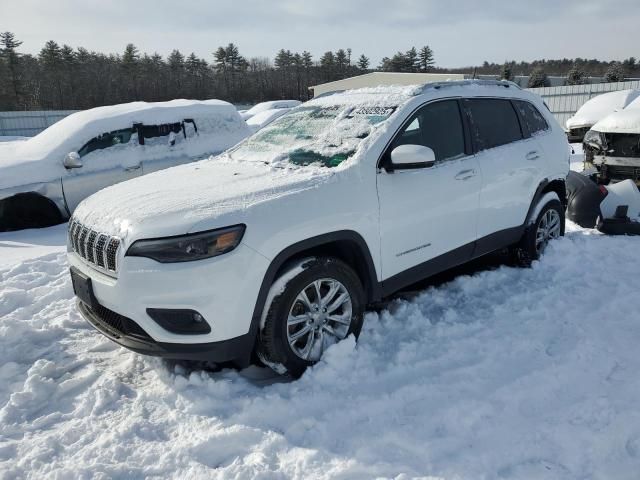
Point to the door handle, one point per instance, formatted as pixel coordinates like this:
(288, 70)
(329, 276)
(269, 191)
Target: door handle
(131, 169)
(465, 174)
(533, 155)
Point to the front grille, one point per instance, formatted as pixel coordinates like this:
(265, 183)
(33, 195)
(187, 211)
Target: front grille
(621, 172)
(97, 248)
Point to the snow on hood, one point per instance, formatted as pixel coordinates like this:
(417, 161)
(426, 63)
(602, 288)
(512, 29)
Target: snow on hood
(172, 201)
(599, 107)
(624, 121)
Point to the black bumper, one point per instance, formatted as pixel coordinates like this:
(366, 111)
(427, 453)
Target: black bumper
(127, 333)
(619, 226)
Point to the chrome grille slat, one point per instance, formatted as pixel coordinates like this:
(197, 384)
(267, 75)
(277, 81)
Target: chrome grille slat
(98, 249)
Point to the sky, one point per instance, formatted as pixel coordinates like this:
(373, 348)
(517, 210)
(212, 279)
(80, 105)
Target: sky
(461, 32)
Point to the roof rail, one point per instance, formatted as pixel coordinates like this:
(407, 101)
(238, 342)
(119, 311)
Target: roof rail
(458, 83)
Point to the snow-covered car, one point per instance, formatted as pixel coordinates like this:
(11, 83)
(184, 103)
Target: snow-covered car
(605, 195)
(272, 105)
(44, 178)
(264, 118)
(595, 110)
(277, 246)
(612, 147)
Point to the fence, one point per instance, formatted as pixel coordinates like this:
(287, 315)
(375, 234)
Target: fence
(565, 101)
(28, 124)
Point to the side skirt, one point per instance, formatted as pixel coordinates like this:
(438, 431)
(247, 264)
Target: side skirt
(458, 256)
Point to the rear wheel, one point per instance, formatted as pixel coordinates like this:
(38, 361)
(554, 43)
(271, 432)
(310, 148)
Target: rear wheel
(548, 226)
(321, 303)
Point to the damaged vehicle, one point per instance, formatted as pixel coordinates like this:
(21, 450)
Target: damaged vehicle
(595, 110)
(605, 195)
(44, 178)
(274, 249)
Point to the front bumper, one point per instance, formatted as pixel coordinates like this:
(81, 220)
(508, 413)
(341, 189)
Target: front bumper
(126, 333)
(222, 289)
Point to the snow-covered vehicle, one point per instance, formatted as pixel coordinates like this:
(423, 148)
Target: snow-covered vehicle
(277, 246)
(595, 110)
(264, 118)
(605, 195)
(44, 178)
(285, 105)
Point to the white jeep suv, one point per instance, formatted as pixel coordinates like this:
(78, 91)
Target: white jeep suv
(277, 246)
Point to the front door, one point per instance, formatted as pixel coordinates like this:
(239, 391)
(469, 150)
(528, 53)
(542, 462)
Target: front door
(429, 214)
(106, 160)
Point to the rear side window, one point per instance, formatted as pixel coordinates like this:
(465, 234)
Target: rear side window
(437, 126)
(106, 140)
(532, 120)
(493, 122)
(154, 131)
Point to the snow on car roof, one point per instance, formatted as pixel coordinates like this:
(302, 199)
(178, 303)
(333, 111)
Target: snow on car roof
(275, 104)
(96, 121)
(599, 107)
(378, 96)
(265, 117)
(624, 121)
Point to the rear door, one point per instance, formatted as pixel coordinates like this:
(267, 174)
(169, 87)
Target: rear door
(428, 212)
(107, 159)
(166, 145)
(510, 164)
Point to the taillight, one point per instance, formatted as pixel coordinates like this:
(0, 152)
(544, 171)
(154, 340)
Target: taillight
(603, 190)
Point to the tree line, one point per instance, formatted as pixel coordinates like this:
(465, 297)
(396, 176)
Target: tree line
(61, 77)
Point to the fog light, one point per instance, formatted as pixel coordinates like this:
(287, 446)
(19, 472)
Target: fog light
(183, 322)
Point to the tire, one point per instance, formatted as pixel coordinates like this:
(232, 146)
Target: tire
(28, 210)
(295, 335)
(532, 246)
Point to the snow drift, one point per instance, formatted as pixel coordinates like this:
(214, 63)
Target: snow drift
(506, 374)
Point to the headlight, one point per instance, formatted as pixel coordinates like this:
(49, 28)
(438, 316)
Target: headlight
(187, 248)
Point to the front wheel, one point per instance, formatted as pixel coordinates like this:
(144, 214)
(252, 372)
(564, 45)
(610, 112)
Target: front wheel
(319, 302)
(548, 225)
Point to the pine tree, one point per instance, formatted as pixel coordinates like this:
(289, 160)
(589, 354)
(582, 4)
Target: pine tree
(342, 62)
(412, 60)
(615, 73)
(576, 75)
(11, 58)
(363, 63)
(425, 59)
(538, 78)
(507, 72)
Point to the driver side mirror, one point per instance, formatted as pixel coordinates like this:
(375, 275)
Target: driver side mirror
(72, 160)
(406, 157)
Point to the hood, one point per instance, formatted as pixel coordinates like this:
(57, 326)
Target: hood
(601, 106)
(199, 196)
(624, 121)
(17, 167)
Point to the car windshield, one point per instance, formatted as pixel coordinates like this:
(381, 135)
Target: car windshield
(321, 135)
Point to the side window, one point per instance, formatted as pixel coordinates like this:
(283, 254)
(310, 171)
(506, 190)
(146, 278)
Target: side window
(437, 126)
(532, 120)
(493, 122)
(159, 134)
(106, 140)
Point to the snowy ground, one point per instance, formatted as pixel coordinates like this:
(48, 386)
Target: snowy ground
(577, 157)
(509, 373)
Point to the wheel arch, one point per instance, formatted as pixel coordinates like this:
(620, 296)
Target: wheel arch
(14, 211)
(556, 185)
(347, 245)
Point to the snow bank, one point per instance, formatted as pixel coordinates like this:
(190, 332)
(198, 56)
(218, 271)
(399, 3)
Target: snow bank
(510, 374)
(601, 106)
(624, 121)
